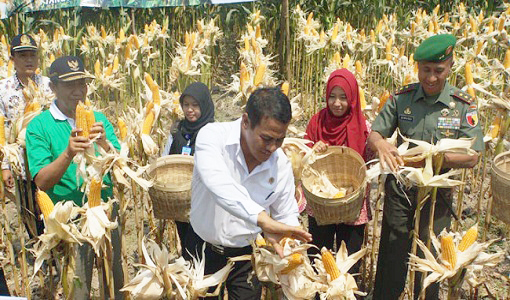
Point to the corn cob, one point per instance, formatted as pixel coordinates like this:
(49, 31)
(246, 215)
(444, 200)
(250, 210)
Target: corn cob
(330, 264)
(4, 41)
(91, 119)
(52, 58)
(258, 32)
(309, 19)
(259, 74)
(45, 204)
(295, 260)
(150, 82)
(122, 35)
(322, 36)
(471, 91)
(448, 253)
(372, 36)
(1, 62)
(389, 45)
(337, 58)
(115, 64)
(260, 241)
(431, 27)
(108, 71)
(501, 23)
(384, 98)
(334, 34)
(359, 68)
(246, 44)
(346, 60)
(94, 195)
(468, 239)
(285, 88)
(506, 62)
(496, 126)
(134, 40)
(362, 100)
(81, 119)
(2, 130)
(97, 68)
(122, 128)
(243, 76)
(147, 123)
(469, 74)
(103, 32)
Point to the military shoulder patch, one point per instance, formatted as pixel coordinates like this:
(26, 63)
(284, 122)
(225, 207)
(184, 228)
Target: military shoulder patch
(408, 88)
(463, 96)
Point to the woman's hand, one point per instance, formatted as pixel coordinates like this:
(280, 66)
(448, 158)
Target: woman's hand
(320, 147)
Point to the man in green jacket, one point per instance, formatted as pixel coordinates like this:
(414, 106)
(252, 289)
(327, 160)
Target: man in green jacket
(429, 111)
(52, 142)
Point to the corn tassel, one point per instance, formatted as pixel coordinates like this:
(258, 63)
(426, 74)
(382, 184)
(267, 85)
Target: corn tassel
(448, 253)
(330, 264)
(45, 204)
(81, 120)
(295, 260)
(122, 128)
(468, 239)
(147, 123)
(94, 195)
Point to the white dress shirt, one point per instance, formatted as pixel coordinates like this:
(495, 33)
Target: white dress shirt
(226, 199)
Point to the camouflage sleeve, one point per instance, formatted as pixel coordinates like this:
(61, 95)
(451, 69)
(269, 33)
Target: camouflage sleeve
(386, 122)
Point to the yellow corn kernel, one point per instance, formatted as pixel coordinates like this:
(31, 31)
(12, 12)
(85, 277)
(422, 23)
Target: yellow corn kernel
(108, 71)
(372, 36)
(122, 128)
(2, 130)
(285, 88)
(134, 40)
(506, 62)
(330, 264)
(501, 23)
(45, 204)
(469, 74)
(81, 120)
(122, 35)
(94, 195)
(259, 74)
(468, 239)
(295, 260)
(472, 22)
(149, 106)
(479, 46)
(156, 96)
(309, 19)
(322, 37)
(448, 253)
(147, 123)
(389, 45)
(246, 44)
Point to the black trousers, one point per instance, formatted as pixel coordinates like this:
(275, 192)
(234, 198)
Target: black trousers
(237, 284)
(182, 230)
(396, 238)
(4, 291)
(326, 235)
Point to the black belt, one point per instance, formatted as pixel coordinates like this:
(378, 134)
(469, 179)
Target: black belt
(230, 251)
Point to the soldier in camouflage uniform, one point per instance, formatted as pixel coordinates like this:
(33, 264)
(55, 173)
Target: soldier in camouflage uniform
(429, 110)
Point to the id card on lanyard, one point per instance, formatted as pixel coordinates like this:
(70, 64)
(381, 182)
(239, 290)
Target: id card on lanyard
(186, 150)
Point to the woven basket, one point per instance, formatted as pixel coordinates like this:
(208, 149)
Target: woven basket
(344, 167)
(500, 182)
(171, 192)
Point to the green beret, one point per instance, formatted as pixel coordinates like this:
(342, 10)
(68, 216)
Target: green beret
(436, 48)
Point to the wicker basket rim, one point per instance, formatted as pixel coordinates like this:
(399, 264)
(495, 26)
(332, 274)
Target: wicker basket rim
(498, 160)
(167, 160)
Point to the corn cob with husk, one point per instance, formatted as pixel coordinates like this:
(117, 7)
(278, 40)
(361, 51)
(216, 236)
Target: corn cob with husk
(2, 130)
(448, 253)
(329, 264)
(45, 203)
(82, 120)
(94, 193)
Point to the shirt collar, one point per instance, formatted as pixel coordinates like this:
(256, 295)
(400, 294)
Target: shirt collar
(444, 97)
(59, 115)
(19, 85)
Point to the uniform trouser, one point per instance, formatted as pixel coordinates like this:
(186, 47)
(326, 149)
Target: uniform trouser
(240, 283)
(327, 235)
(396, 238)
(85, 257)
(4, 291)
(182, 230)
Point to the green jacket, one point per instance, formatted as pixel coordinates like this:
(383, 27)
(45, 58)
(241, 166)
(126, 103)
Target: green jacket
(453, 114)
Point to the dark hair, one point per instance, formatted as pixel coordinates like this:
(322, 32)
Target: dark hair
(268, 102)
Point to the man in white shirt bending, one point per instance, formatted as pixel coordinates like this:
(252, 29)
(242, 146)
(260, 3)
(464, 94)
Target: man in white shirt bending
(243, 185)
